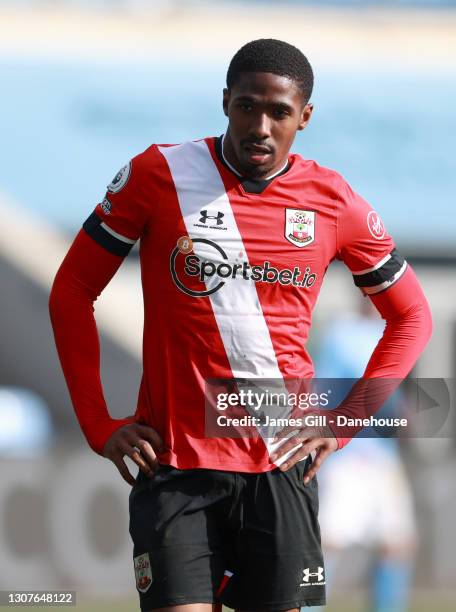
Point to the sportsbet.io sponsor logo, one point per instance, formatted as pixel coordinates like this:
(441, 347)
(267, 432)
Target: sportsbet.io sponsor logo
(210, 271)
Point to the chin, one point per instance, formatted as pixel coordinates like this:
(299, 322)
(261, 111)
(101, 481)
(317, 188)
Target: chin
(256, 172)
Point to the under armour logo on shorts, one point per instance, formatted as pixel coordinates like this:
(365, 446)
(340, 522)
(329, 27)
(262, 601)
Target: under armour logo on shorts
(307, 575)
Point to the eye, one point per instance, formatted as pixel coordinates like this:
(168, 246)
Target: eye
(281, 113)
(245, 106)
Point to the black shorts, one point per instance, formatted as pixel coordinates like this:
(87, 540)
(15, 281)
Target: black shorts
(249, 541)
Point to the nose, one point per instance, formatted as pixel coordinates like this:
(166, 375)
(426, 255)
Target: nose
(260, 126)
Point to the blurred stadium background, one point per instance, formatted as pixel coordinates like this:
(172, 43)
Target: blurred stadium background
(86, 84)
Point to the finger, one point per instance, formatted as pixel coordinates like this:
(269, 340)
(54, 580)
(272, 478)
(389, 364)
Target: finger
(124, 472)
(129, 449)
(322, 454)
(131, 442)
(292, 460)
(151, 436)
(140, 462)
(285, 432)
(291, 442)
(301, 422)
(148, 453)
(299, 454)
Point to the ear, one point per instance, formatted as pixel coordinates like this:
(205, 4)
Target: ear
(305, 116)
(226, 99)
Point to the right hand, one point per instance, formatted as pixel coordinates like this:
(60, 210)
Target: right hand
(140, 443)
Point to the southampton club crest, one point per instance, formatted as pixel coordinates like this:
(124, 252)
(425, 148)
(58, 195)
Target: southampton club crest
(143, 572)
(299, 226)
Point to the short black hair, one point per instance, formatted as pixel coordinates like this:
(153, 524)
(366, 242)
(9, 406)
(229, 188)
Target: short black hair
(276, 56)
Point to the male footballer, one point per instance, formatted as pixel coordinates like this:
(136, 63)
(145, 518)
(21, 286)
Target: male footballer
(236, 234)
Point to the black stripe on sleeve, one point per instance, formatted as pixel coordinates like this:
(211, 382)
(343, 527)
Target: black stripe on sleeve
(382, 274)
(92, 226)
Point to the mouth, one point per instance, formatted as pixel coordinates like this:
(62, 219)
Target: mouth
(257, 154)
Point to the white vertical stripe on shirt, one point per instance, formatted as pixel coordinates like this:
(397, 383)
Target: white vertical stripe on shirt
(236, 306)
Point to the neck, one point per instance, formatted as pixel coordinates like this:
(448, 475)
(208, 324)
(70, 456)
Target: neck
(233, 169)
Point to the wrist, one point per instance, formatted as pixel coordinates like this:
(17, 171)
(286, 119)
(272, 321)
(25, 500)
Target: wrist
(97, 439)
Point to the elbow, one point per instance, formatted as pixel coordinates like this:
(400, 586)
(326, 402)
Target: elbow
(60, 296)
(428, 322)
(67, 296)
(420, 317)
(54, 298)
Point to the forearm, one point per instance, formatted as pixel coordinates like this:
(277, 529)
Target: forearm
(83, 274)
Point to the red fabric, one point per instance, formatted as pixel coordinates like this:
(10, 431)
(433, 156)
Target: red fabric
(79, 282)
(185, 343)
(408, 329)
(85, 271)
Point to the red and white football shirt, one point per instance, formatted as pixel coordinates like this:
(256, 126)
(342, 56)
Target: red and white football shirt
(230, 278)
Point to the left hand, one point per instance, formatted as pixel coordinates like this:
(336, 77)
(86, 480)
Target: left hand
(312, 438)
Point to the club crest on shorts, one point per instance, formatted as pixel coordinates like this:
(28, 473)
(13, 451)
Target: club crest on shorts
(120, 180)
(299, 226)
(143, 572)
